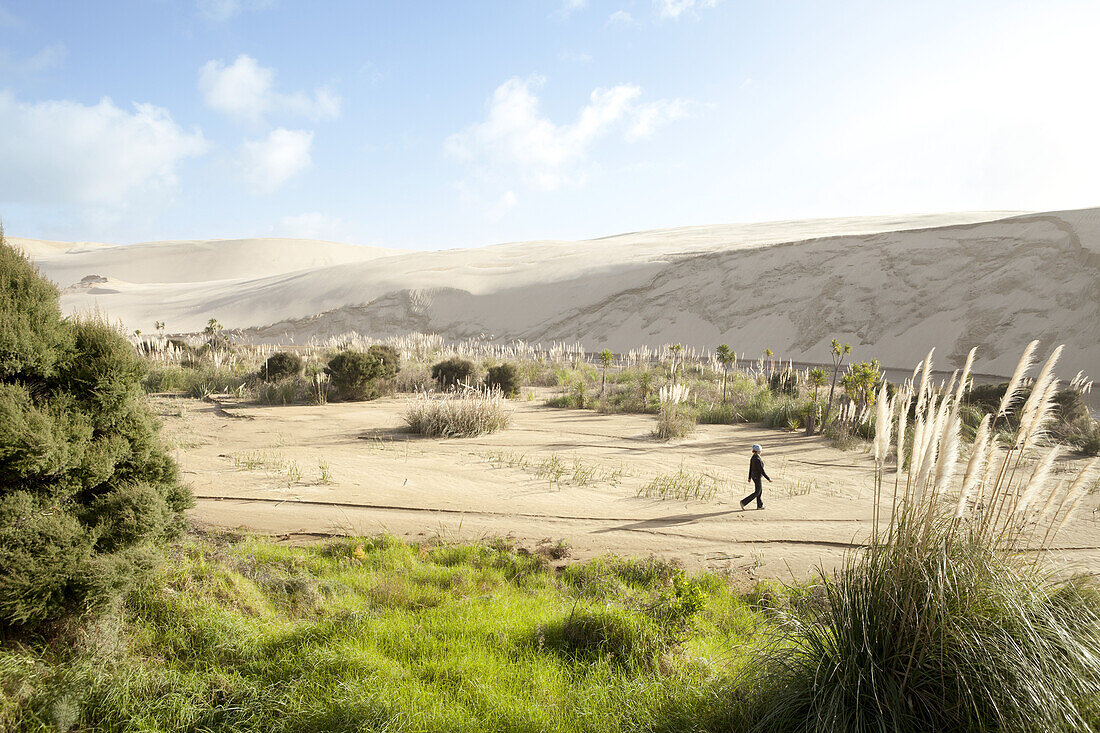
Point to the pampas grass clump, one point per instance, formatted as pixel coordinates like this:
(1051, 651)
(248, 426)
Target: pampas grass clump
(674, 419)
(459, 414)
(949, 620)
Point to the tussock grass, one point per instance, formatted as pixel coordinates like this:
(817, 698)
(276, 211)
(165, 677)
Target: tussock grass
(458, 414)
(949, 621)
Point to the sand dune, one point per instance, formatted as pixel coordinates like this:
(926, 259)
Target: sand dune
(891, 286)
(189, 261)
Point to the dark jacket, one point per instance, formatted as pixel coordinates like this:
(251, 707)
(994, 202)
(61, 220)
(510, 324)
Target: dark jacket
(756, 468)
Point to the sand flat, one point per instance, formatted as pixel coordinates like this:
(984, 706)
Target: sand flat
(259, 468)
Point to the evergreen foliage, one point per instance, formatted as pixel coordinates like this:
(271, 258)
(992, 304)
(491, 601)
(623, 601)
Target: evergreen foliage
(452, 372)
(281, 365)
(86, 488)
(388, 358)
(354, 374)
(504, 377)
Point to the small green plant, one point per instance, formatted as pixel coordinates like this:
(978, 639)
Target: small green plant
(324, 472)
(683, 485)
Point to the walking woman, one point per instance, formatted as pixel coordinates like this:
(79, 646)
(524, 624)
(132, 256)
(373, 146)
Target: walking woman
(756, 470)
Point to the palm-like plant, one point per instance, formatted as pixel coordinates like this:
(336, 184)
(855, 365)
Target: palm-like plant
(839, 352)
(606, 359)
(645, 384)
(725, 356)
(675, 350)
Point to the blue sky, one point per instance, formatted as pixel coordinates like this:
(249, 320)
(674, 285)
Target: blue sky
(442, 124)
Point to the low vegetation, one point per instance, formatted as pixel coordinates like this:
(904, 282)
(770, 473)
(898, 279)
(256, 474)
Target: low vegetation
(949, 621)
(720, 387)
(458, 414)
(239, 634)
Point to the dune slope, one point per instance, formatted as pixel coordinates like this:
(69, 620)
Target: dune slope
(891, 286)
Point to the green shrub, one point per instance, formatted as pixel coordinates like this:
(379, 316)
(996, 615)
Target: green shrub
(388, 359)
(452, 372)
(85, 485)
(505, 378)
(354, 374)
(280, 366)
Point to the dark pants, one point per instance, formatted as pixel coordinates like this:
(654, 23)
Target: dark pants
(758, 495)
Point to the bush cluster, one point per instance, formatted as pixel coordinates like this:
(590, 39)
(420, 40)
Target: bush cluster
(86, 488)
(355, 375)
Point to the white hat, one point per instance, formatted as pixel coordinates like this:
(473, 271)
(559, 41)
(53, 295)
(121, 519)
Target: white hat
(756, 448)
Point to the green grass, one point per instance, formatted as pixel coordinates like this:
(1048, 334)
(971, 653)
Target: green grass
(376, 634)
(683, 485)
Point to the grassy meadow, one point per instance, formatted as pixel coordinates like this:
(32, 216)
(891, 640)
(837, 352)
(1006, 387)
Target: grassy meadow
(242, 634)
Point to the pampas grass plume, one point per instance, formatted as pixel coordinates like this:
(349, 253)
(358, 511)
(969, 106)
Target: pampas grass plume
(1026, 361)
(1038, 479)
(974, 466)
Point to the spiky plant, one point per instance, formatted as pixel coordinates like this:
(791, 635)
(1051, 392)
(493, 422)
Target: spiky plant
(948, 620)
(606, 360)
(838, 353)
(726, 357)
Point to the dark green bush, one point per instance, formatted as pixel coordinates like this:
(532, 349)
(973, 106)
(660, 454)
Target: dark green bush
(86, 488)
(505, 378)
(280, 366)
(354, 374)
(388, 358)
(452, 372)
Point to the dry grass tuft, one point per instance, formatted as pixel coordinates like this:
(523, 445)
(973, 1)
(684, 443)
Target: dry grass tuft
(458, 415)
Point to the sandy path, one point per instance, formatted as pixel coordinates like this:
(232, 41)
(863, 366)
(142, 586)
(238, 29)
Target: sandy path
(349, 468)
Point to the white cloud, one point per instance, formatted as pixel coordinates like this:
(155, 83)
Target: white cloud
(568, 6)
(220, 11)
(620, 17)
(48, 58)
(64, 152)
(673, 9)
(648, 118)
(270, 162)
(312, 225)
(245, 91)
(516, 142)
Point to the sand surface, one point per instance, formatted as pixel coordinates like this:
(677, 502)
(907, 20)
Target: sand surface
(892, 286)
(261, 468)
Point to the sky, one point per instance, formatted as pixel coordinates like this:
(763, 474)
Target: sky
(447, 124)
